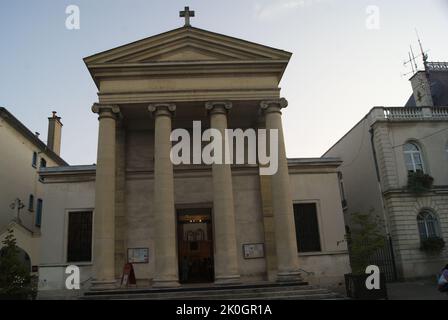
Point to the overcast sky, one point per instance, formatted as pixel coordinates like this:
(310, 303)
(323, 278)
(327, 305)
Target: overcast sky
(346, 60)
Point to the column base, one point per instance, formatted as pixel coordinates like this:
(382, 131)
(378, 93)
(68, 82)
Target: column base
(227, 280)
(291, 276)
(103, 285)
(157, 283)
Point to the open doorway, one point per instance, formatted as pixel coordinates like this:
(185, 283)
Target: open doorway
(195, 245)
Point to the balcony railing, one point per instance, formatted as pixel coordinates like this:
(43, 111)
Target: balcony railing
(438, 66)
(413, 113)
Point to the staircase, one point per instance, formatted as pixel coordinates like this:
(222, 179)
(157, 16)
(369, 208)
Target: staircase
(261, 291)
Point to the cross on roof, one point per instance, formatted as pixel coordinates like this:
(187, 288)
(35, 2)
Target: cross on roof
(186, 14)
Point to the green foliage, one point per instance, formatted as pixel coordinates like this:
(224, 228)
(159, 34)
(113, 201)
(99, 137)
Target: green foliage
(16, 283)
(432, 245)
(419, 182)
(365, 239)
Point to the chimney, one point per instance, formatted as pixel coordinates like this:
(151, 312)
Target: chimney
(54, 133)
(421, 87)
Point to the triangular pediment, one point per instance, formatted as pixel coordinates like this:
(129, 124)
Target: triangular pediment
(187, 44)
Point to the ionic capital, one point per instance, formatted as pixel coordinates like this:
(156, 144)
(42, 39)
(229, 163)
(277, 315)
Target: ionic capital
(276, 105)
(214, 107)
(162, 109)
(106, 110)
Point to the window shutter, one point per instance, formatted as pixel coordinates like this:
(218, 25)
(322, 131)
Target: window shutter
(39, 213)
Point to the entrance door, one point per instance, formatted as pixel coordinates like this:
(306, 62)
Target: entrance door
(195, 245)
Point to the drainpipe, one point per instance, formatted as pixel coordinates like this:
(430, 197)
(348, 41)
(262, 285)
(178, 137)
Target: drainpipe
(386, 221)
(378, 178)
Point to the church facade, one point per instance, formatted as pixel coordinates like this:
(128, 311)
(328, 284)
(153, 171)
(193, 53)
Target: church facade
(190, 223)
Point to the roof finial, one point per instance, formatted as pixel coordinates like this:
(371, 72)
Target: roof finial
(187, 14)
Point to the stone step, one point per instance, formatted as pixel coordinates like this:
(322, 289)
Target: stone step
(267, 292)
(214, 295)
(201, 290)
(259, 296)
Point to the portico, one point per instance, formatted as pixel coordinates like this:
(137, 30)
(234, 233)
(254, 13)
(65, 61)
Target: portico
(159, 118)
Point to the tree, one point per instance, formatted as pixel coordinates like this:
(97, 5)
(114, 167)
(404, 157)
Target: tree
(364, 241)
(16, 282)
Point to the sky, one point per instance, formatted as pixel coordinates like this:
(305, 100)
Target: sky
(347, 57)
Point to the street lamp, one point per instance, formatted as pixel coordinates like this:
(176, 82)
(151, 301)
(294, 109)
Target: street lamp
(17, 204)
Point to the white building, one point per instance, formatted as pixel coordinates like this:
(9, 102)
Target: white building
(23, 154)
(378, 154)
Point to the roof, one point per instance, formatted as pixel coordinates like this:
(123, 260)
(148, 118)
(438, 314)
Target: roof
(25, 132)
(15, 225)
(68, 169)
(439, 86)
(330, 161)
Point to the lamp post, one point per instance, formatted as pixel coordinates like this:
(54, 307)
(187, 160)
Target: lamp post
(17, 204)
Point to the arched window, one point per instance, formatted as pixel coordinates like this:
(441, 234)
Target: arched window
(413, 157)
(428, 225)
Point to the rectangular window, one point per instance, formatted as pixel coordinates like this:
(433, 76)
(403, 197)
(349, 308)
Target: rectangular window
(342, 191)
(79, 237)
(307, 227)
(34, 163)
(31, 203)
(39, 212)
(43, 163)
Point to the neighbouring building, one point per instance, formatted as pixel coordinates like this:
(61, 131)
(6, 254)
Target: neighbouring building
(384, 155)
(229, 224)
(22, 200)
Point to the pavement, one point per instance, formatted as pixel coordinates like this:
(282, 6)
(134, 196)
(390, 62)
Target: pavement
(415, 290)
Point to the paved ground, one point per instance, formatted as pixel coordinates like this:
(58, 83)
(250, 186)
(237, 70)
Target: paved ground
(415, 290)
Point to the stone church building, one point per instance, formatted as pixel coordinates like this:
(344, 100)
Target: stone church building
(182, 224)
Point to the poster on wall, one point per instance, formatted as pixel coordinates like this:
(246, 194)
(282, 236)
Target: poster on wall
(138, 255)
(253, 251)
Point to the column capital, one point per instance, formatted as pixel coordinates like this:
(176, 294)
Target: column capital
(218, 106)
(100, 108)
(275, 105)
(159, 109)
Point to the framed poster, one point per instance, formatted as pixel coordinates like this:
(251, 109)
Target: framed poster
(138, 255)
(253, 250)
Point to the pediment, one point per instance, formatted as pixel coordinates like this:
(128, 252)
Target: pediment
(187, 44)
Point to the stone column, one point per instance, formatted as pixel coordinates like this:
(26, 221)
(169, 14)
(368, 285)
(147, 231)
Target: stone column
(104, 216)
(226, 254)
(282, 207)
(166, 265)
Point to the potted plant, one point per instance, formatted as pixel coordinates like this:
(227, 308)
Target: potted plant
(432, 245)
(419, 182)
(363, 241)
